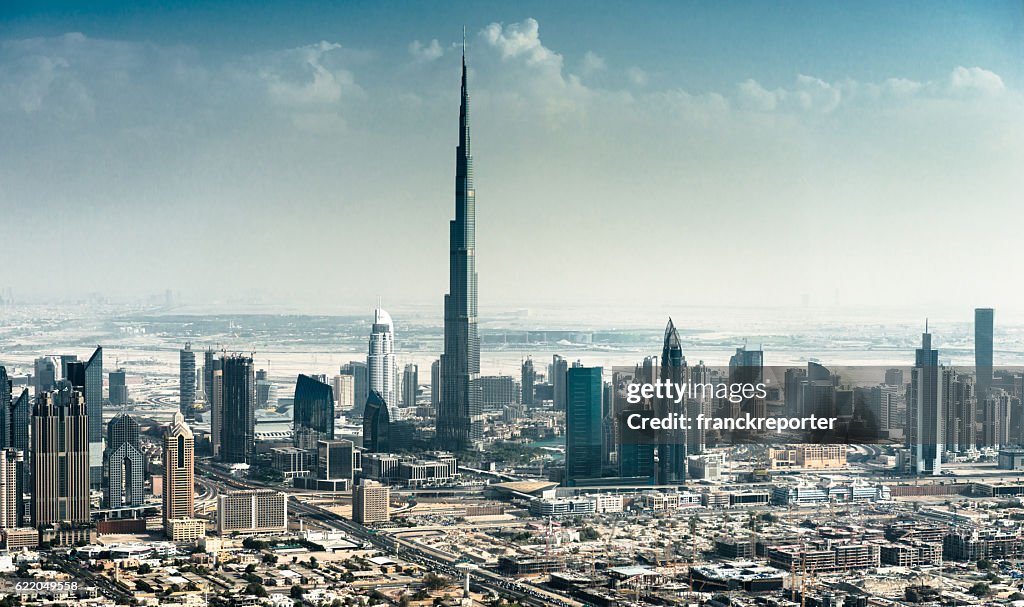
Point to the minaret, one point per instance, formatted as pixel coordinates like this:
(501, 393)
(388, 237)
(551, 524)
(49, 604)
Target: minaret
(459, 421)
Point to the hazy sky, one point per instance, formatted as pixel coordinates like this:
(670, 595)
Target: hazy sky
(701, 153)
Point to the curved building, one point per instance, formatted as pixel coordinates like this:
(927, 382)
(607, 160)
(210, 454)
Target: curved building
(380, 359)
(376, 425)
(312, 412)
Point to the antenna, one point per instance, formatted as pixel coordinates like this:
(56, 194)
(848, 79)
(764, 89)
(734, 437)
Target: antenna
(463, 41)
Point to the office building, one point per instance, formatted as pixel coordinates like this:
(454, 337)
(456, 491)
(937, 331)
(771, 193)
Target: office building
(459, 420)
(45, 376)
(208, 367)
(924, 410)
(376, 425)
(93, 386)
(497, 392)
(528, 379)
(360, 384)
(124, 464)
(960, 405)
(179, 477)
(117, 388)
(252, 511)
(583, 424)
(60, 457)
(336, 460)
(410, 385)
(216, 402)
(984, 330)
(10, 498)
(894, 377)
(17, 434)
(238, 410)
(344, 392)
(435, 384)
(312, 412)
(556, 375)
(371, 503)
(186, 379)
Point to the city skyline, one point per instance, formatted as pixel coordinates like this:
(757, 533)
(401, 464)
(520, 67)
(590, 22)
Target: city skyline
(782, 154)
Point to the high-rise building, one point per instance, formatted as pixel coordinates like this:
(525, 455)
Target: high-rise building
(20, 420)
(94, 403)
(894, 377)
(960, 406)
(124, 463)
(60, 457)
(336, 460)
(380, 358)
(497, 392)
(216, 400)
(997, 412)
(376, 425)
(672, 443)
(344, 392)
(459, 419)
(371, 503)
(6, 389)
(984, 330)
(583, 424)
(44, 378)
(179, 473)
(10, 498)
(435, 384)
(266, 390)
(528, 379)
(747, 367)
(410, 384)
(186, 379)
(924, 409)
(557, 373)
(312, 412)
(117, 388)
(238, 411)
(252, 511)
(360, 384)
(208, 368)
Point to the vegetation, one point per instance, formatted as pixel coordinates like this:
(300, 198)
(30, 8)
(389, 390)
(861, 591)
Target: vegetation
(981, 589)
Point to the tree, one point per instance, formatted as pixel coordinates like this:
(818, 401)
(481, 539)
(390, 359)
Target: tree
(256, 590)
(435, 582)
(296, 592)
(145, 569)
(588, 534)
(980, 589)
(984, 564)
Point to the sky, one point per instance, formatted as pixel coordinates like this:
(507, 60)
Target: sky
(761, 153)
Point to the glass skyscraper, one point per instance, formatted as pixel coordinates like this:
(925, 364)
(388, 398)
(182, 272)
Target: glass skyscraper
(672, 443)
(186, 379)
(238, 410)
(459, 420)
(583, 424)
(312, 412)
(376, 425)
(94, 403)
(984, 320)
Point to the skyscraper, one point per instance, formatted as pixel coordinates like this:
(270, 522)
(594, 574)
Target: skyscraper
(216, 399)
(376, 425)
(583, 424)
(124, 463)
(6, 387)
(672, 443)
(10, 498)
(45, 375)
(360, 389)
(186, 379)
(179, 480)
(435, 384)
(238, 411)
(559, 368)
(20, 419)
(117, 388)
(984, 320)
(60, 457)
(529, 378)
(380, 358)
(410, 384)
(459, 421)
(924, 409)
(94, 403)
(344, 392)
(312, 412)
(208, 368)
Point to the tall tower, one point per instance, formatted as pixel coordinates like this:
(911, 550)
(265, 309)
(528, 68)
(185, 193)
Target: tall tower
(459, 421)
(529, 378)
(186, 379)
(583, 424)
(312, 412)
(380, 358)
(984, 320)
(94, 402)
(60, 457)
(410, 384)
(672, 443)
(124, 463)
(238, 410)
(925, 423)
(179, 462)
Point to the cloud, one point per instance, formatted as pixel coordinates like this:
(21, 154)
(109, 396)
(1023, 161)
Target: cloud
(592, 63)
(426, 52)
(521, 41)
(975, 79)
(305, 76)
(637, 76)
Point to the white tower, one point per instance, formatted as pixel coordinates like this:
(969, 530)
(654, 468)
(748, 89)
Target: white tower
(380, 360)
